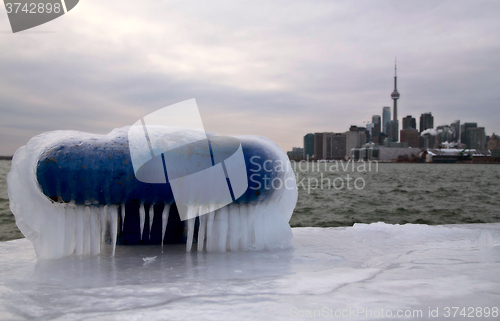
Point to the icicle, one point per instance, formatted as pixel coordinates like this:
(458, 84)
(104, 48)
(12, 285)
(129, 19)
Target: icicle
(190, 232)
(86, 231)
(123, 215)
(234, 226)
(244, 227)
(210, 232)
(95, 235)
(113, 222)
(222, 219)
(201, 231)
(142, 215)
(164, 221)
(256, 212)
(151, 217)
(69, 230)
(80, 212)
(103, 214)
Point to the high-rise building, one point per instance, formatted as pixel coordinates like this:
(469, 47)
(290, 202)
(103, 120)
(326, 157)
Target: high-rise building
(426, 122)
(296, 154)
(338, 146)
(308, 146)
(376, 125)
(463, 131)
(318, 146)
(411, 137)
(369, 131)
(327, 145)
(409, 122)
(455, 127)
(395, 97)
(355, 137)
(428, 141)
(386, 119)
(444, 134)
(476, 138)
(493, 142)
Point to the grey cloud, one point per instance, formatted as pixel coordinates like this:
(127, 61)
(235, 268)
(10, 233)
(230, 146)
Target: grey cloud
(278, 69)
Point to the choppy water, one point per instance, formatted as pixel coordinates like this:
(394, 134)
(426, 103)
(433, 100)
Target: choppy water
(8, 228)
(400, 193)
(395, 193)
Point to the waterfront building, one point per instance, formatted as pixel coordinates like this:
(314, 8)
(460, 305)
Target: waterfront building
(493, 143)
(354, 139)
(426, 122)
(455, 126)
(296, 154)
(379, 138)
(381, 153)
(318, 146)
(327, 145)
(386, 119)
(376, 125)
(463, 131)
(476, 138)
(411, 137)
(409, 122)
(308, 146)
(338, 146)
(444, 134)
(428, 140)
(369, 131)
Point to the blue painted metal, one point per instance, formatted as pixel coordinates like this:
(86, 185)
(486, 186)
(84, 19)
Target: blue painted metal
(99, 171)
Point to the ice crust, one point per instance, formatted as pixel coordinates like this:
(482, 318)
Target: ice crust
(61, 229)
(367, 266)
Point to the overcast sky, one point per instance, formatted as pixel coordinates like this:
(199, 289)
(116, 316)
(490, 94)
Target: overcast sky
(277, 69)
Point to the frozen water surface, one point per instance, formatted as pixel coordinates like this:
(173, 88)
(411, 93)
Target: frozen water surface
(364, 267)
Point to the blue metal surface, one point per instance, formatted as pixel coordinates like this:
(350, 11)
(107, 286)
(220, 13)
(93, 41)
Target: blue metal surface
(100, 172)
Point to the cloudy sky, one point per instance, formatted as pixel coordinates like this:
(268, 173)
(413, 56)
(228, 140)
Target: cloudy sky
(278, 69)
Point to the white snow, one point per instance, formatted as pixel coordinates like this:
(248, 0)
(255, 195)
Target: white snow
(365, 268)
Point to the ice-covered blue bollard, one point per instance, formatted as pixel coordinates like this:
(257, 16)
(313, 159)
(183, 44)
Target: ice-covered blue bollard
(74, 192)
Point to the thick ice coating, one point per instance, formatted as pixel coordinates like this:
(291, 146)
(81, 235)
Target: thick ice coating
(76, 193)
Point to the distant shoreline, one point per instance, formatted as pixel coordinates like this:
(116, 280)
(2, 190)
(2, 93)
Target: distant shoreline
(5, 157)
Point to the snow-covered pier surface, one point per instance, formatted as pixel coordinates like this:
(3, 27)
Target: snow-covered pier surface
(372, 269)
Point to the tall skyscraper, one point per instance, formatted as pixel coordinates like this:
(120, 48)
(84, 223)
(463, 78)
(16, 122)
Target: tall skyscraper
(308, 146)
(455, 126)
(339, 145)
(409, 122)
(376, 125)
(395, 97)
(386, 119)
(426, 122)
(463, 131)
(318, 146)
(476, 138)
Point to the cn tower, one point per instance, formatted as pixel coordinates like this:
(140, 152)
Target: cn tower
(395, 97)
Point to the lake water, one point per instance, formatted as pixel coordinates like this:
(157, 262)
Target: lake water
(341, 194)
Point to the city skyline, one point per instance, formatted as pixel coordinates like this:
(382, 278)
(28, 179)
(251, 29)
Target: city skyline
(272, 69)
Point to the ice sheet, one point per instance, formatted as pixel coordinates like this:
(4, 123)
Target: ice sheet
(370, 267)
